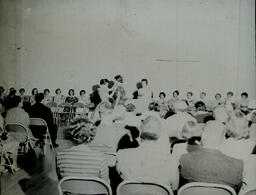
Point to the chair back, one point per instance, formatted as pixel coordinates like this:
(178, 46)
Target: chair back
(37, 122)
(79, 105)
(19, 131)
(84, 185)
(141, 188)
(197, 188)
(176, 141)
(65, 104)
(251, 192)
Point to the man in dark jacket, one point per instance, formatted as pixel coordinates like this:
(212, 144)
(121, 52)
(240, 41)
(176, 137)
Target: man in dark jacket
(39, 110)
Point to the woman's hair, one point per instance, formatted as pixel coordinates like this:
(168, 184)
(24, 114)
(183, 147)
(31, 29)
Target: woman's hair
(144, 80)
(177, 92)
(217, 94)
(56, 91)
(190, 93)
(230, 93)
(139, 85)
(82, 91)
(244, 94)
(46, 90)
(200, 106)
(81, 131)
(69, 91)
(22, 90)
(162, 93)
(33, 91)
(103, 81)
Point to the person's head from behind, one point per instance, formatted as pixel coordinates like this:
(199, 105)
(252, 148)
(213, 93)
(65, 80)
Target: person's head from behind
(191, 129)
(213, 135)
(39, 97)
(202, 95)
(104, 81)
(71, 92)
(12, 92)
(81, 131)
(218, 96)
(221, 114)
(1, 90)
(162, 95)
(189, 95)
(144, 82)
(237, 126)
(200, 106)
(176, 94)
(22, 91)
(150, 129)
(244, 95)
(58, 91)
(82, 93)
(12, 89)
(15, 101)
(46, 92)
(119, 78)
(153, 106)
(180, 106)
(34, 91)
(139, 85)
(230, 94)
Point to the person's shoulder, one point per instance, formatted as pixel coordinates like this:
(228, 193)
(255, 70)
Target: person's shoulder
(125, 153)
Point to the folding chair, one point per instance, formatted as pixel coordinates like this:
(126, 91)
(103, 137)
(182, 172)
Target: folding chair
(22, 134)
(198, 188)
(142, 188)
(54, 108)
(38, 122)
(64, 112)
(176, 141)
(83, 185)
(78, 109)
(5, 160)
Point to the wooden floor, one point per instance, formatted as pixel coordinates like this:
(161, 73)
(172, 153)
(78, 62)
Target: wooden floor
(40, 180)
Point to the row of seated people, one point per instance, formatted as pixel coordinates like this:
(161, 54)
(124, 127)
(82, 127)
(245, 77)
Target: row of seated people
(220, 150)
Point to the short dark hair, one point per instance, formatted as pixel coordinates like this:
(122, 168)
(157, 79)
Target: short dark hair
(69, 91)
(117, 77)
(146, 80)
(230, 93)
(47, 90)
(218, 94)
(103, 81)
(139, 85)
(82, 91)
(1, 88)
(200, 104)
(39, 97)
(177, 92)
(190, 93)
(57, 90)
(162, 93)
(34, 90)
(15, 100)
(203, 93)
(244, 94)
(22, 89)
(154, 106)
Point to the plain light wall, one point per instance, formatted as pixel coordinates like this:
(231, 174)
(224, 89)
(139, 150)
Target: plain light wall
(197, 45)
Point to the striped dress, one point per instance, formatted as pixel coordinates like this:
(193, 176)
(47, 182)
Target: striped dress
(82, 161)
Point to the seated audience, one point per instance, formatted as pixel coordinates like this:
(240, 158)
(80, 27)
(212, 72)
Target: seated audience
(22, 94)
(238, 145)
(175, 97)
(148, 162)
(2, 95)
(71, 98)
(145, 92)
(230, 101)
(176, 122)
(47, 98)
(209, 164)
(32, 98)
(16, 114)
(120, 89)
(58, 98)
(243, 103)
(83, 98)
(191, 132)
(218, 101)
(38, 110)
(80, 160)
(203, 99)
(190, 101)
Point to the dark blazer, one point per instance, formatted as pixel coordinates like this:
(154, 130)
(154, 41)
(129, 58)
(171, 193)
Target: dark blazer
(212, 166)
(41, 111)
